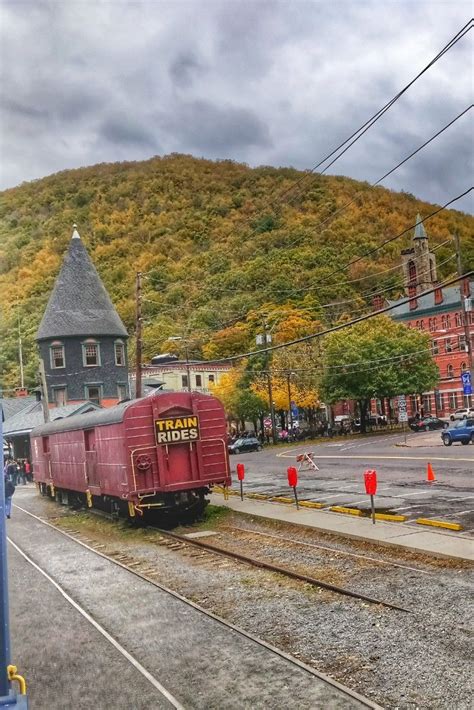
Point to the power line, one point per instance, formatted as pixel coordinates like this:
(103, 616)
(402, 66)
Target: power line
(341, 326)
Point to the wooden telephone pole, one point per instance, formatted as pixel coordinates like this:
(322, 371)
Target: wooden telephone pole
(138, 335)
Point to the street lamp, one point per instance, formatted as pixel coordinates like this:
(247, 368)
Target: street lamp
(179, 338)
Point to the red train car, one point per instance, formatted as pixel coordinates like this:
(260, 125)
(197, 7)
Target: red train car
(157, 453)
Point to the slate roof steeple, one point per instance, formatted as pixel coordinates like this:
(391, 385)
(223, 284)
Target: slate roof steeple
(420, 231)
(79, 304)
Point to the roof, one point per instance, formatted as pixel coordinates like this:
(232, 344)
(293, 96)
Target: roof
(111, 415)
(79, 304)
(420, 231)
(32, 416)
(451, 299)
(13, 405)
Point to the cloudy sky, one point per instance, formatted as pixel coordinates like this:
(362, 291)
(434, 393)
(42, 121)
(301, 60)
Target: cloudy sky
(264, 82)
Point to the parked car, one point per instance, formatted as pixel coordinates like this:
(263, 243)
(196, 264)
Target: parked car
(249, 443)
(462, 431)
(427, 424)
(463, 413)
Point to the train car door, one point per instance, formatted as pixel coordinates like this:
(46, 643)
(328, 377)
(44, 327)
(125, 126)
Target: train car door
(177, 439)
(47, 458)
(91, 460)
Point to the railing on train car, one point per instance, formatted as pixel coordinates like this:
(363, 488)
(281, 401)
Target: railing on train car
(9, 698)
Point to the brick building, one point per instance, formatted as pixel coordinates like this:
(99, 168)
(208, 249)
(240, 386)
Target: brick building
(81, 339)
(441, 315)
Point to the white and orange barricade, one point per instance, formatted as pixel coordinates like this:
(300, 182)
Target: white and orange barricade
(306, 462)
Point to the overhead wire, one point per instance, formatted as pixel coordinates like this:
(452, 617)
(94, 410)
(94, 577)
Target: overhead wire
(341, 326)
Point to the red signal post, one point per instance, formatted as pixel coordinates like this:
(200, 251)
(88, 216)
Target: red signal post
(293, 482)
(370, 480)
(241, 476)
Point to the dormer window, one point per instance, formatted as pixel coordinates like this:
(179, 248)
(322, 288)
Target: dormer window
(57, 356)
(119, 353)
(90, 353)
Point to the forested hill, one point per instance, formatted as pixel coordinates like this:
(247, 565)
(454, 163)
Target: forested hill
(221, 243)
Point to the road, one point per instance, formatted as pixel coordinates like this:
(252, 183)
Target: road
(401, 472)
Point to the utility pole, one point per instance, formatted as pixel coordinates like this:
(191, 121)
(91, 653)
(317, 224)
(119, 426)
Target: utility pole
(465, 312)
(188, 369)
(44, 391)
(138, 335)
(290, 412)
(20, 352)
(265, 339)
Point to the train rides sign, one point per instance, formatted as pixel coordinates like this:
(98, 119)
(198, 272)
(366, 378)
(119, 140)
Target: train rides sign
(176, 430)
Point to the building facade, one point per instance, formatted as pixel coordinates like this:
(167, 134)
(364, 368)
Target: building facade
(81, 340)
(442, 315)
(174, 376)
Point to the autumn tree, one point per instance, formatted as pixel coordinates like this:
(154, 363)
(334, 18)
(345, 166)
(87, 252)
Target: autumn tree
(375, 359)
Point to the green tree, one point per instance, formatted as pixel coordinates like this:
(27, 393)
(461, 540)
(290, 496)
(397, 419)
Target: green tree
(375, 359)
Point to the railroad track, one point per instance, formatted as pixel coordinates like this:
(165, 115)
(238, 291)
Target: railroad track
(333, 550)
(144, 571)
(183, 541)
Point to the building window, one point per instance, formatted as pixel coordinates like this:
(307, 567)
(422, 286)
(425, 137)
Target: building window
(122, 391)
(411, 271)
(450, 371)
(462, 343)
(464, 367)
(57, 356)
(434, 347)
(198, 380)
(453, 400)
(211, 379)
(94, 393)
(184, 382)
(60, 396)
(426, 403)
(458, 320)
(119, 353)
(439, 401)
(448, 346)
(435, 323)
(91, 354)
(448, 322)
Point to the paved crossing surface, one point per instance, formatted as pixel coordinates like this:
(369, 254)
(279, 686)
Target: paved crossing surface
(401, 472)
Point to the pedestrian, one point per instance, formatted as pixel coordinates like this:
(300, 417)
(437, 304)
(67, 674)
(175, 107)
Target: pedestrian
(11, 471)
(28, 471)
(9, 491)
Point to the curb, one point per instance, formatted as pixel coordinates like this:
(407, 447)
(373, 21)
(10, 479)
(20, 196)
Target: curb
(311, 504)
(439, 524)
(348, 511)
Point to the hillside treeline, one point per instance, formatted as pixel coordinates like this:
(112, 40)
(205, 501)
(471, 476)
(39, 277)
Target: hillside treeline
(222, 246)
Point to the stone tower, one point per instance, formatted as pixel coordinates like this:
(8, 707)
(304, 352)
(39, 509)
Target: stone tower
(81, 339)
(419, 263)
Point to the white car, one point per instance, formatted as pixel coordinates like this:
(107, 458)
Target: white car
(462, 413)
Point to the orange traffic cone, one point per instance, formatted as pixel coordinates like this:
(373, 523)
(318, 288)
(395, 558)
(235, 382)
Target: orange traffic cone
(430, 477)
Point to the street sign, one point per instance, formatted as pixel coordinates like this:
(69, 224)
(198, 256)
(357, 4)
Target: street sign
(267, 423)
(402, 408)
(466, 383)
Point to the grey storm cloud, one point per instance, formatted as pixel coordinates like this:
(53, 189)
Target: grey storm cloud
(272, 82)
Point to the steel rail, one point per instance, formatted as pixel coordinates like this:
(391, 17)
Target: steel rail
(334, 550)
(281, 570)
(237, 629)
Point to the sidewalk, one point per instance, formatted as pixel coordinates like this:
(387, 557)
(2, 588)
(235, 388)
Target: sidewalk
(422, 439)
(439, 544)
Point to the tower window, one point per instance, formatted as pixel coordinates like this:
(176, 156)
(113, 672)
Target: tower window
(119, 353)
(90, 354)
(94, 393)
(60, 396)
(411, 272)
(57, 356)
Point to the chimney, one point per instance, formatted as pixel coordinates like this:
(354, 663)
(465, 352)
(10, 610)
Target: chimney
(466, 288)
(377, 302)
(438, 296)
